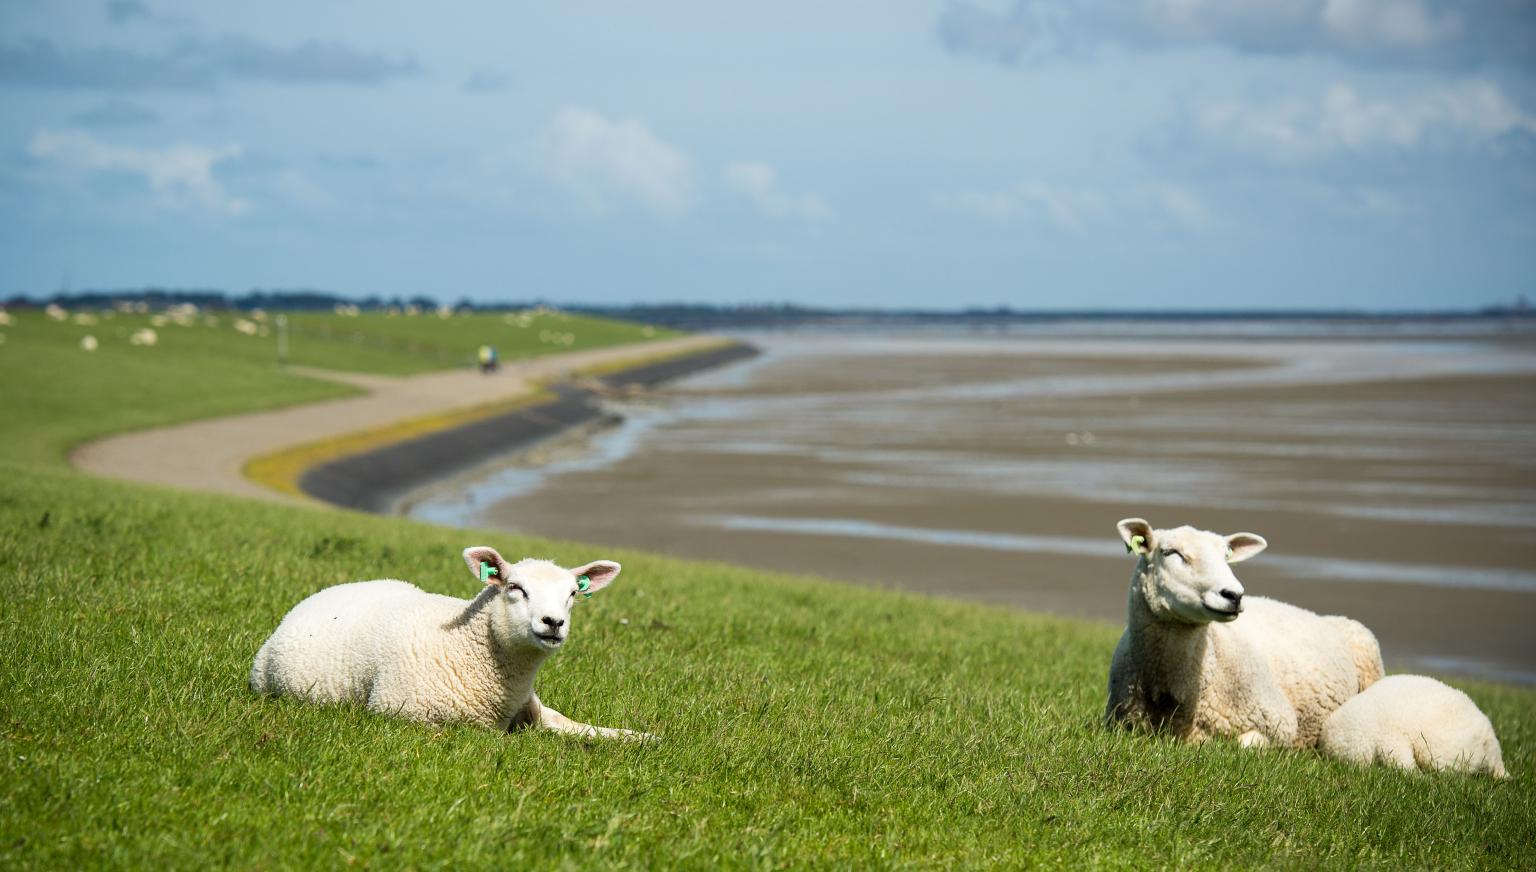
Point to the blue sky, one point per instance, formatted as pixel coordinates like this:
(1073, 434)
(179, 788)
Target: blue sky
(1035, 153)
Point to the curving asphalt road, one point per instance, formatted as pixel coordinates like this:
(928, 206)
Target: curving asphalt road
(209, 455)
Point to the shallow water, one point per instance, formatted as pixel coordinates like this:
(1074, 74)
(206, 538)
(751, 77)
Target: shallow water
(1297, 565)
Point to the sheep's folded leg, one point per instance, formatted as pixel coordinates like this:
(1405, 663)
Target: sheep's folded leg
(549, 719)
(1399, 754)
(1253, 739)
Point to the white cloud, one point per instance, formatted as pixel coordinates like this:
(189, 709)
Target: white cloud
(1155, 204)
(1388, 24)
(180, 175)
(195, 64)
(1174, 202)
(601, 160)
(759, 184)
(1246, 23)
(1278, 25)
(1342, 120)
(1070, 209)
(1434, 33)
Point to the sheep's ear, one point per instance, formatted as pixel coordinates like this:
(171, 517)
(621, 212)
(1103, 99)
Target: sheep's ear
(598, 572)
(1241, 546)
(494, 570)
(1136, 534)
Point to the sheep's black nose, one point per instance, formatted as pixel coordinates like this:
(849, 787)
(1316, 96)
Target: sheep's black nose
(1232, 597)
(556, 623)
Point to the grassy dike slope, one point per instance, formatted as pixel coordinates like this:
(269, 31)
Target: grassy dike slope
(804, 722)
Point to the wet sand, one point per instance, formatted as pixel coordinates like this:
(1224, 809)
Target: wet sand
(1394, 480)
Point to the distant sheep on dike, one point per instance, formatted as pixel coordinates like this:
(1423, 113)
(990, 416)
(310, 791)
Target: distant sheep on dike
(1414, 722)
(1198, 659)
(403, 651)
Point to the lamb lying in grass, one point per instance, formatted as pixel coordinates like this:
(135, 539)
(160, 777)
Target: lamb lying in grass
(403, 651)
(1188, 664)
(1413, 722)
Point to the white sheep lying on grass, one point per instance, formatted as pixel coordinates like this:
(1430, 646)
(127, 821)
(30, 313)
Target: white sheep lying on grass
(1188, 665)
(1413, 722)
(433, 658)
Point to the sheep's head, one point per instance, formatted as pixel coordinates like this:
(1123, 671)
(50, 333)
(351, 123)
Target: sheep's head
(1184, 573)
(538, 594)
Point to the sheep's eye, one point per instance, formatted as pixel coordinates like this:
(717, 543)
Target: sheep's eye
(1169, 552)
(516, 588)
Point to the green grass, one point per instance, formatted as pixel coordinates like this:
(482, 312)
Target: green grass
(804, 723)
(57, 396)
(371, 342)
(381, 343)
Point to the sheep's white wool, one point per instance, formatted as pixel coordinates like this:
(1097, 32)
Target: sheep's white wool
(88, 343)
(145, 336)
(1414, 722)
(400, 650)
(1201, 659)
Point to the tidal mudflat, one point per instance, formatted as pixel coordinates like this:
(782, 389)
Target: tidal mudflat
(1393, 476)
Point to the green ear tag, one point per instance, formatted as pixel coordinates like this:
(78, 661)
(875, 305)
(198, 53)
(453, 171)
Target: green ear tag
(1229, 553)
(1135, 544)
(582, 584)
(486, 571)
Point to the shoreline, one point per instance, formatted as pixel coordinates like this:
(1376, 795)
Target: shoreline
(1390, 480)
(377, 480)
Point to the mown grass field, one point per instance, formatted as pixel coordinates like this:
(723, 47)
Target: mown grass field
(804, 723)
(399, 345)
(369, 342)
(57, 396)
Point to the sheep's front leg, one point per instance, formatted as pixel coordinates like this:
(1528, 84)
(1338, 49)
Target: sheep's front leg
(1253, 739)
(549, 719)
(1276, 724)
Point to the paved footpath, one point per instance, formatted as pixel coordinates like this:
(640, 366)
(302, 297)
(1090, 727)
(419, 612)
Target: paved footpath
(208, 455)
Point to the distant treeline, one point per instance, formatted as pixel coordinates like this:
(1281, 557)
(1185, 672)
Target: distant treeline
(697, 316)
(285, 300)
(704, 317)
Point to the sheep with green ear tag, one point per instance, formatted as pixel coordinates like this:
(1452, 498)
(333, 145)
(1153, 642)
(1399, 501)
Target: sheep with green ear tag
(1200, 658)
(399, 650)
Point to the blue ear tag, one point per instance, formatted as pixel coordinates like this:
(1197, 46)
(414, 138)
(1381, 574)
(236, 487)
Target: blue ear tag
(486, 571)
(582, 585)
